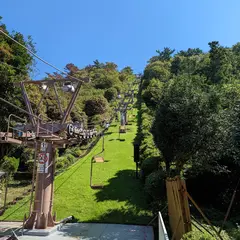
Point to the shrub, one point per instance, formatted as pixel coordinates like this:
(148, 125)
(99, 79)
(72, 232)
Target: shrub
(30, 164)
(75, 151)
(110, 94)
(155, 185)
(10, 164)
(78, 152)
(235, 233)
(195, 234)
(70, 158)
(61, 162)
(96, 105)
(150, 165)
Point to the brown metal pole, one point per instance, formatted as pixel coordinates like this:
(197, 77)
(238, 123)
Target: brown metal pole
(53, 177)
(41, 213)
(33, 177)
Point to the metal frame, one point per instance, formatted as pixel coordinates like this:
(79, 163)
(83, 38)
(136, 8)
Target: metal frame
(40, 216)
(93, 160)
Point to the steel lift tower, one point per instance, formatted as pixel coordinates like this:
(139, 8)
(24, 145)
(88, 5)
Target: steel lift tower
(46, 136)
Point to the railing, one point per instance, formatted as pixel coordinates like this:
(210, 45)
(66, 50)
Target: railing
(162, 232)
(12, 129)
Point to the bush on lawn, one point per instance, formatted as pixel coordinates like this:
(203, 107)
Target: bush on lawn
(150, 165)
(155, 185)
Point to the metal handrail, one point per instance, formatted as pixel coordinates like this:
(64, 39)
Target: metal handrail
(9, 119)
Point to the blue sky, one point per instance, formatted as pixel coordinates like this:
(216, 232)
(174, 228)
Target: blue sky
(126, 32)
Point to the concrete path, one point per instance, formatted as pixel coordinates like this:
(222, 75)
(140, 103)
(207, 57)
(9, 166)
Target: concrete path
(97, 231)
(6, 228)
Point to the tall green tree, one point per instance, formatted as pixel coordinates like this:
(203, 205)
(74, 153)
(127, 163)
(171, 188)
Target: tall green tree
(185, 121)
(164, 55)
(220, 67)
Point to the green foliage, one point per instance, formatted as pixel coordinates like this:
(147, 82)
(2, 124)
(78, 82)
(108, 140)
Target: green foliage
(220, 68)
(186, 64)
(159, 70)
(70, 158)
(61, 162)
(110, 94)
(164, 55)
(10, 164)
(96, 105)
(153, 93)
(150, 165)
(30, 165)
(155, 185)
(128, 70)
(144, 137)
(186, 121)
(16, 62)
(190, 52)
(195, 234)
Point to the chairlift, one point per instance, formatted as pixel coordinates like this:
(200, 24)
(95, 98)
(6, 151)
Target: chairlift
(99, 158)
(68, 87)
(107, 125)
(44, 86)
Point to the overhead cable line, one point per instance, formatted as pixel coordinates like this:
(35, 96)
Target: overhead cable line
(36, 56)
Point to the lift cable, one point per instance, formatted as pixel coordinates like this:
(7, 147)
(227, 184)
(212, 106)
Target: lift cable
(41, 59)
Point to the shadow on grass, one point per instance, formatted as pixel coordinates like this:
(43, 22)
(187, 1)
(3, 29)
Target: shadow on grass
(123, 187)
(128, 215)
(121, 140)
(108, 133)
(123, 216)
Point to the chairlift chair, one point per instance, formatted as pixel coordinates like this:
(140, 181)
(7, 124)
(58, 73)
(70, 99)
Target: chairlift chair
(99, 158)
(122, 129)
(44, 87)
(68, 87)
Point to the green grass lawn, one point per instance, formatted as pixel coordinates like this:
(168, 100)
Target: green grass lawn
(120, 201)
(16, 188)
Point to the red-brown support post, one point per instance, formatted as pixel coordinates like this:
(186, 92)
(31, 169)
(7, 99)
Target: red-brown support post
(41, 215)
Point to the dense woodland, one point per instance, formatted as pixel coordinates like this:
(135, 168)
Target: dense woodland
(188, 119)
(189, 125)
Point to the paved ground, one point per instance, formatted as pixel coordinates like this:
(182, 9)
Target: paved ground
(98, 231)
(5, 228)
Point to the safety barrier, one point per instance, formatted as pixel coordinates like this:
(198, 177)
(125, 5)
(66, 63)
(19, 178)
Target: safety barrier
(162, 232)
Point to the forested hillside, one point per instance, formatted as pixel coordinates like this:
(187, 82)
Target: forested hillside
(189, 125)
